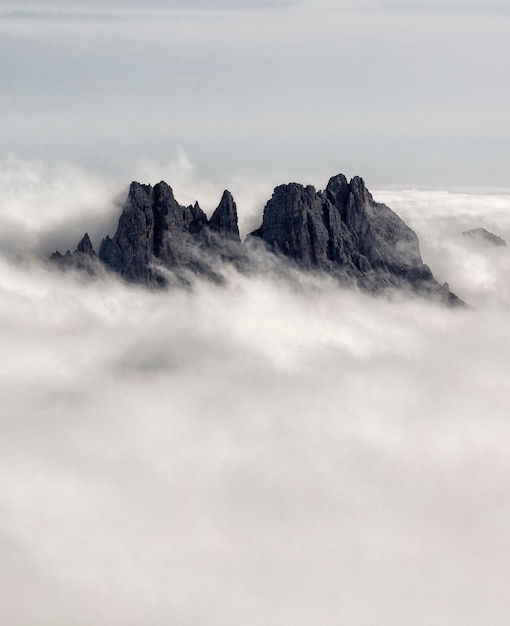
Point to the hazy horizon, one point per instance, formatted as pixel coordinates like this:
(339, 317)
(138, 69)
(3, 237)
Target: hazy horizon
(402, 94)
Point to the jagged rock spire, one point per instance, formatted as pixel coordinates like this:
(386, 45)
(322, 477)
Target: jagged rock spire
(156, 231)
(85, 246)
(224, 218)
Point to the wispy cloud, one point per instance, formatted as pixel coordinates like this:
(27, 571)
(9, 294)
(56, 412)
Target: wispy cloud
(458, 6)
(70, 10)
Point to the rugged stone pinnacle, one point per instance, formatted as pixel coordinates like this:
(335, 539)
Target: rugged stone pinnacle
(224, 218)
(85, 246)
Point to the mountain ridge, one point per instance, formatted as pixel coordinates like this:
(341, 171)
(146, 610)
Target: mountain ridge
(341, 231)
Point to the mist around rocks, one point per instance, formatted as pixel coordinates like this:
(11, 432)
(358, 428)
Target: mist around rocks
(260, 452)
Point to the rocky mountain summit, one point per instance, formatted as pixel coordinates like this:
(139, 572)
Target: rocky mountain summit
(343, 231)
(156, 233)
(340, 231)
(481, 235)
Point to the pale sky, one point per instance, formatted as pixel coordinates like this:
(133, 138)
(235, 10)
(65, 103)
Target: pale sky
(400, 93)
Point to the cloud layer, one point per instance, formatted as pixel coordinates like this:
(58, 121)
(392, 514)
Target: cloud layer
(256, 453)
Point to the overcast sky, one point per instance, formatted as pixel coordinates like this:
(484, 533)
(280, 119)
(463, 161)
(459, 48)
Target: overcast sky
(398, 92)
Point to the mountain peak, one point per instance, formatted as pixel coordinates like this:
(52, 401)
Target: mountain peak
(484, 236)
(85, 246)
(340, 231)
(137, 190)
(337, 183)
(163, 192)
(224, 218)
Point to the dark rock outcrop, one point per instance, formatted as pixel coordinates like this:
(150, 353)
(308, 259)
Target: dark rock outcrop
(224, 218)
(83, 258)
(85, 246)
(481, 235)
(341, 231)
(155, 233)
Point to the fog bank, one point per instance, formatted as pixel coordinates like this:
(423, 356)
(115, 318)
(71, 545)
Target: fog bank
(256, 453)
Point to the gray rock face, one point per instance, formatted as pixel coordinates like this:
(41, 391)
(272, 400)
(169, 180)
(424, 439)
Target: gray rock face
(343, 231)
(484, 236)
(156, 232)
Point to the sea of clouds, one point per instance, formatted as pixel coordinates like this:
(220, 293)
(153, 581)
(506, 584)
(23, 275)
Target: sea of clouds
(258, 453)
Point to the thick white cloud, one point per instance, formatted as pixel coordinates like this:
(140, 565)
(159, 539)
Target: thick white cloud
(43, 206)
(480, 273)
(255, 453)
